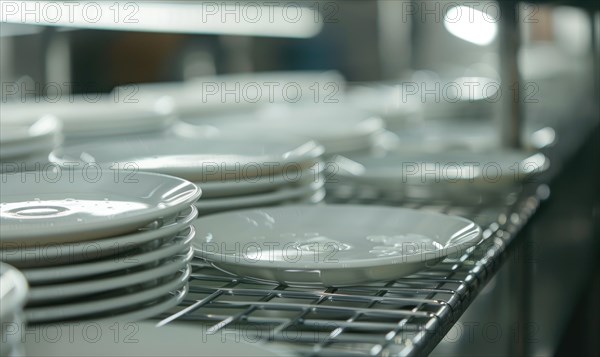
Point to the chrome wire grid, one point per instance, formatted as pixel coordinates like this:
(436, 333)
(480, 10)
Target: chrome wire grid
(407, 316)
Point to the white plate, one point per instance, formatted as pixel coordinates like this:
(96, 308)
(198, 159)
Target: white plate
(197, 160)
(338, 127)
(14, 152)
(475, 135)
(13, 290)
(44, 294)
(450, 96)
(91, 306)
(77, 205)
(29, 131)
(145, 339)
(244, 92)
(142, 256)
(493, 171)
(331, 245)
(26, 137)
(98, 114)
(41, 254)
(285, 194)
(147, 312)
(214, 189)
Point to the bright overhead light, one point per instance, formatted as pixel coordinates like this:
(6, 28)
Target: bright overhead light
(202, 17)
(471, 25)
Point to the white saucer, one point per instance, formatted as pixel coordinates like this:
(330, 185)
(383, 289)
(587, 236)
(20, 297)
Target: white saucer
(44, 294)
(285, 194)
(77, 205)
(330, 245)
(45, 255)
(141, 256)
(104, 304)
(196, 160)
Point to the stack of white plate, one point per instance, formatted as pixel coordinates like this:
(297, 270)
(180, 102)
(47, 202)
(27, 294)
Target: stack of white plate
(13, 295)
(474, 135)
(339, 128)
(25, 144)
(331, 245)
(97, 116)
(456, 176)
(97, 242)
(232, 172)
(207, 96)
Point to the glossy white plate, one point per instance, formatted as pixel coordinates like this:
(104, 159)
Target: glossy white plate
(145, 339)
(285, 194)
(330, 245)
(26, 137)
(82, 205)
(93, 115)
(245, 92)
(338, 127)
(474, 135)
(44, 294)
(38, 254)
(30, 131)
(492, 170)
(15, 152)
(46, 275)
(91, 306)
(196, 160)
(220, 189)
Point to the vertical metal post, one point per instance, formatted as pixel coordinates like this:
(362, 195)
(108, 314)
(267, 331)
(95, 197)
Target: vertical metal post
(595, 22)
(510, 118)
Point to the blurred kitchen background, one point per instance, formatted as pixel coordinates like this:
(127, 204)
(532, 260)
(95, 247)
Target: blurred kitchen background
(384, 41)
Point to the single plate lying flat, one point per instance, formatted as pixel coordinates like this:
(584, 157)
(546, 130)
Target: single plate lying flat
(196, 160)
(79, 205)
(330, 245)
